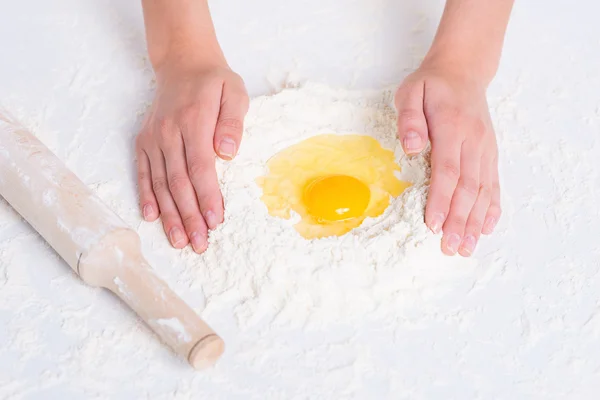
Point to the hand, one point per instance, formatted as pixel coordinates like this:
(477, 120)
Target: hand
(450, 110)
(197, 113)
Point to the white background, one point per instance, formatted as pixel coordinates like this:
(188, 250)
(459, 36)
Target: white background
(525, 324)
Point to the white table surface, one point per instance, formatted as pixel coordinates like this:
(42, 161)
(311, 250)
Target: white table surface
(524, 325)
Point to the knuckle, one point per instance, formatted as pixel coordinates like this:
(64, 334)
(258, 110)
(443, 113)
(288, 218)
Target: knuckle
(177, 182)
(469, 185)
(438, 202)
(450, 115)
(450, 170)
(455, 220)
(144, 141)
(197, 169)
(231, 125)
(190, 221)
(215, 79)
(235, 123)
(159, 185)
(475, 224)
(170, 220)
(164, 128)
(485, 191)
(239, 78)
(407, 89)
(408, 115)
(189, 114)
(143, 176)
(237, 83)
(206, 201)
(480, 130)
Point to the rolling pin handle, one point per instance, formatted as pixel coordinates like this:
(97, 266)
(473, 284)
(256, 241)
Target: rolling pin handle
(116, 263)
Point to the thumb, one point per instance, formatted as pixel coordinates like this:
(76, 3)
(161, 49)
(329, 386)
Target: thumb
(412, 125)
(230, 124)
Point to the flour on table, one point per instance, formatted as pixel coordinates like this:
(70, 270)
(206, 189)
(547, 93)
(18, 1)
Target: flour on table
(257, 266)
(267, 270)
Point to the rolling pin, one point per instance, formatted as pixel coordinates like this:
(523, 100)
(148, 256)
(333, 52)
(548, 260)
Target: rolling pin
(95, 242)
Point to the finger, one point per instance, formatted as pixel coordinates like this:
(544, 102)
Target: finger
(230, 123)
(464, 197)
(445, 171)
(412, 125)
(183, 193)
(170, 216)
(148, 203)
(198, 132)
(201, 167)
(479, 210)
(495, 211)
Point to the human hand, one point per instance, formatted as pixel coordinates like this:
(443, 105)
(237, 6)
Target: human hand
(449, 109)
(197, 113)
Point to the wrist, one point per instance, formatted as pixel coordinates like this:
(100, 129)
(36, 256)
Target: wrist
(470, 38)
(462, 61)
(181, 34)
(188, 55)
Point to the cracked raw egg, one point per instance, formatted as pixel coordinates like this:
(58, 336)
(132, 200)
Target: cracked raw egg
(332, 182)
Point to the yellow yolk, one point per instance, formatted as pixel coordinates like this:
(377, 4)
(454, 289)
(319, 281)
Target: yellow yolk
(336, 198)
(332, 182)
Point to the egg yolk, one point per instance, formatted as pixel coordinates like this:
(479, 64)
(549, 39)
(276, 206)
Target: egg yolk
(332, 182)
(336, 198)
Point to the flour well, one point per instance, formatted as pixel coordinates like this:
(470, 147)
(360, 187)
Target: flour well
(272, 272)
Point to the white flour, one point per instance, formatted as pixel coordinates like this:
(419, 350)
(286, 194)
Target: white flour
(257, 265)
(266, 266)
(386, 279)
(523, 324)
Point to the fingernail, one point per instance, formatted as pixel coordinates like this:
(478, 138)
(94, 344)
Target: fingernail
(211, 219)
(199, 243)
(412, 142)
(490, 224)
(148, 212)
(468, 245)
(176, 236)
(436, 223)
(452, 243)
(227, 148)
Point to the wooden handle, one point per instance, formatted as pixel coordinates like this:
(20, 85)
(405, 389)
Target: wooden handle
(95, 242)
(136, 284)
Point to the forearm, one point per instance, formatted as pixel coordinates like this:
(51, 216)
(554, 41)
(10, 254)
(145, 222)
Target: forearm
(180, 31)
(470, 36)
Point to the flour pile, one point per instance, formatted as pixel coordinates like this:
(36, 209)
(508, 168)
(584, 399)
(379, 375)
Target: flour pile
(389, 271)
(262, 265)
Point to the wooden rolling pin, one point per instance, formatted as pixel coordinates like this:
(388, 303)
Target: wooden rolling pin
(95, 242)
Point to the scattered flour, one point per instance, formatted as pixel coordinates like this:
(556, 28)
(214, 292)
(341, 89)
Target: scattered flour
(386, 282)
(257, 266)
(271, 271)
(524, 324)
